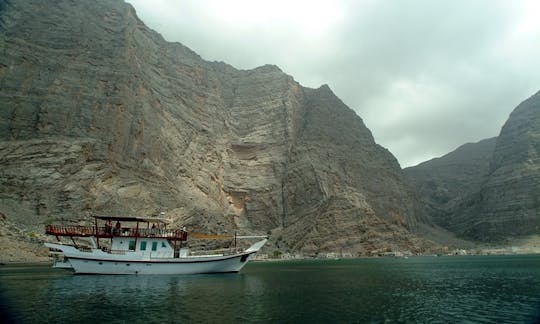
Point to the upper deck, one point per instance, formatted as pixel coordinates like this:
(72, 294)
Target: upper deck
(110, 231)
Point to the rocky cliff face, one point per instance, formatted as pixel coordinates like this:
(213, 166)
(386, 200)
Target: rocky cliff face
(489, 190)
(100, 115)
(443, 183)
(509, 200)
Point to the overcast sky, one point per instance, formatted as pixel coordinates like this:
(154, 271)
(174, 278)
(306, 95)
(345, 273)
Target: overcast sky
(426, 76)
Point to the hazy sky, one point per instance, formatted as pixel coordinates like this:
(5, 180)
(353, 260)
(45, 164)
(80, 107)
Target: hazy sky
(426, 76)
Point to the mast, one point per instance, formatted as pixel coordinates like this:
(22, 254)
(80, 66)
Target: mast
(174, 248)
(97, 233)
(136, 235)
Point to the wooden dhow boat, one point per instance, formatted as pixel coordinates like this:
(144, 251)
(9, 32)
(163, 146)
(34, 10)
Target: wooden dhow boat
(138, 245)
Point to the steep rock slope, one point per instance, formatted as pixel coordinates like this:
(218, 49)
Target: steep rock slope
(443, 183)
(100, 115)
(508, 204)
(490, 190)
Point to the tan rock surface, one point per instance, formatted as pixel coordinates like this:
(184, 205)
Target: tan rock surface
(100, 115)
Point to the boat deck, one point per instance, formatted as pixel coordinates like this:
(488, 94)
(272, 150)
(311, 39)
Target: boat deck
(109, 232)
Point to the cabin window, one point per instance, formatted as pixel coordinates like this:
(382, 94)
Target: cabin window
(154, 246)
(132, 245)
(163, 244)
(143, 246)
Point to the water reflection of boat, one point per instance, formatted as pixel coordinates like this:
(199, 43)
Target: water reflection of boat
(144, 246)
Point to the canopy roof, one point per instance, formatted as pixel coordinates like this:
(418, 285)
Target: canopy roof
(133, 219)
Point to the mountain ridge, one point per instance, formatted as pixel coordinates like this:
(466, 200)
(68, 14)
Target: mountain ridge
(500, 201)
(101, 115)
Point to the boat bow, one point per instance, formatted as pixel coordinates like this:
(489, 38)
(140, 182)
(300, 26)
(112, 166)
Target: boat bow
(257, 246)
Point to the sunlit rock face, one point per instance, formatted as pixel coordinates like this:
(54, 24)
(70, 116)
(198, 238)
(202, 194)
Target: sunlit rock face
(490, 190)
(100, 115)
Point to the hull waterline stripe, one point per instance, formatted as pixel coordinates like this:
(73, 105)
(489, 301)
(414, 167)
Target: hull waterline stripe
(162, 262)
(130, 274)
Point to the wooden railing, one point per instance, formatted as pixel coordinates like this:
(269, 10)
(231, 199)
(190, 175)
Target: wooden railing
(60, 230)
(105, 231)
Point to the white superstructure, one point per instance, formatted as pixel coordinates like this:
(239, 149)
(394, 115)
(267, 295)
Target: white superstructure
(139, 250)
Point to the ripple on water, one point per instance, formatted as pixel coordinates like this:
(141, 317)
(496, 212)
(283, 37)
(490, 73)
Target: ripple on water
(434, 290)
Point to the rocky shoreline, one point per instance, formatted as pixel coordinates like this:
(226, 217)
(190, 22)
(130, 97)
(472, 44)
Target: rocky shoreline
(16, 251)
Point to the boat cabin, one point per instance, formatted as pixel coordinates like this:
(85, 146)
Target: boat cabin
(148, 236)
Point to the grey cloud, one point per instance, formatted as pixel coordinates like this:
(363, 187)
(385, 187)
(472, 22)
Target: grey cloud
(426, 76)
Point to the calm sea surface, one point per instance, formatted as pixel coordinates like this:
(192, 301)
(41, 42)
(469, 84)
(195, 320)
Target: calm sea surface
(486, 289)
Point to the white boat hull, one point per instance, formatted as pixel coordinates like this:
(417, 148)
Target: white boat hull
(99, 262)
(62, 264)
(178, 266)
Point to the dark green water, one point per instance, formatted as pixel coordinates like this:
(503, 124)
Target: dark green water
(485, 289)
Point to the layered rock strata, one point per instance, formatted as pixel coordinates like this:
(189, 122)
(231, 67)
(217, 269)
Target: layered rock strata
(100, 115)
(508, 204)
(490, 190)
(443, 183)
